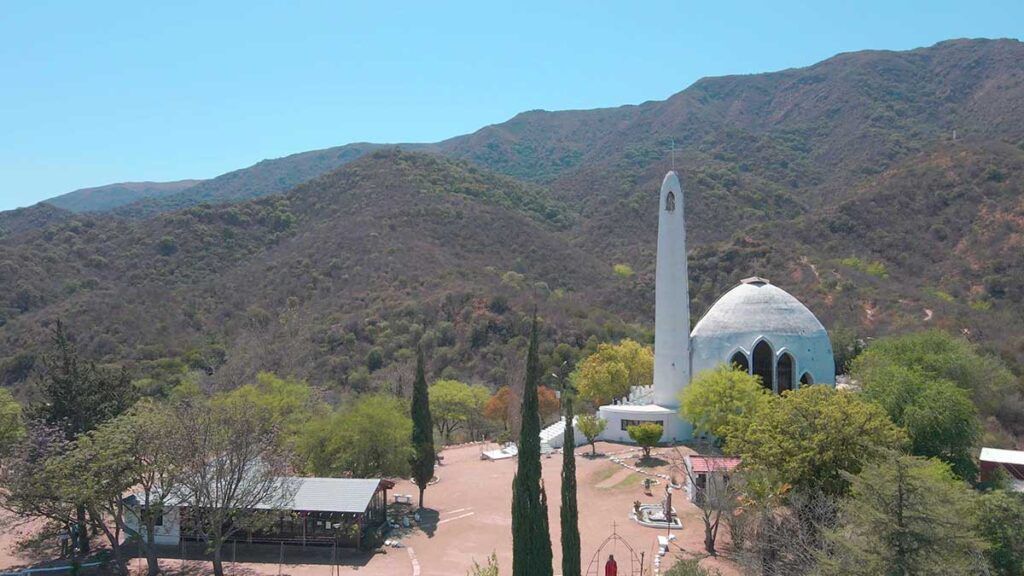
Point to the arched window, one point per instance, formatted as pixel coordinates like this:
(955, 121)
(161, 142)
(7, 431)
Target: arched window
(740, 362)
(784, 372)
(806, 379)
(764, 364)
(670, 201)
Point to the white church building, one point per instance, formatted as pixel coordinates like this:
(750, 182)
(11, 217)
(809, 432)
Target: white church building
(756, 325)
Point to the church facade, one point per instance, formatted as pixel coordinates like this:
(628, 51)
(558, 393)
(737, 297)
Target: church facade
(756, 326)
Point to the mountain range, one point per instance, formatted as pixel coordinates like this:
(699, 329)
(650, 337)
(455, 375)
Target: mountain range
(884, 189)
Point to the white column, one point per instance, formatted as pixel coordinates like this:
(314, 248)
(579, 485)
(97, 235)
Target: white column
(671, 298)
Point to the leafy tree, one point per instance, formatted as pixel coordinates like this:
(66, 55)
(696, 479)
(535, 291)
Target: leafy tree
(609, 373)
(371, 437)
(498, 408)
(232, 467)
(289, 403)
(940, 355)
(531, 539)
(720, 397)
(77, 396)
(547, 404)
(423, 455)
(939, 417)
(455, 405)
(906, 515)
(569, 513)
(31, 487)
(12, 427)
(591, 426)
(1001, 524)
(646, 435)
(812, 435)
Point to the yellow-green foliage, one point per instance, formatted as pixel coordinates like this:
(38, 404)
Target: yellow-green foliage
(609, 373)
(721, 397)
(623, 270)
(872, 267)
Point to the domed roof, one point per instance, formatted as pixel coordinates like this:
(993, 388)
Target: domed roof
(755, 305)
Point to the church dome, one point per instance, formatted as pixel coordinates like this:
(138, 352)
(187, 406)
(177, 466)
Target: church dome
(765, 329)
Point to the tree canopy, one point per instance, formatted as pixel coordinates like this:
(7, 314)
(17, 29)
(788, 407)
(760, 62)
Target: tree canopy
(646, 435)
(809, 437)
(370, 437)
(609, 373)
(456, 406)
(720, 397)
(906, 515)
(12, 427)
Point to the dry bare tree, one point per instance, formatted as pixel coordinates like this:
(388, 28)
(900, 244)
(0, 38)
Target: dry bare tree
(232, 470)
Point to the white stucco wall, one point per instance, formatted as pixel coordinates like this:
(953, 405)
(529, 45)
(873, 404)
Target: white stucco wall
(676, 430)
(169, 534)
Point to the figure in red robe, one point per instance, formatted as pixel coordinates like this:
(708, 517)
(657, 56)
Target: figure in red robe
(610, 567)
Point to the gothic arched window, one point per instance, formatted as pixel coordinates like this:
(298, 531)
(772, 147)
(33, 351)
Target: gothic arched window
(806, 379)
(739, 361)
(785, 373)
(764, 364)
(670, 201)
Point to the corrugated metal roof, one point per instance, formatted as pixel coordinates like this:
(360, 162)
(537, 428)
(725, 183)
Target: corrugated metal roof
(351, 495)
(1002, 456)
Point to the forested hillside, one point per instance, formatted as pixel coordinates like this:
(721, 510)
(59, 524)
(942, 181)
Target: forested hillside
(884, 189)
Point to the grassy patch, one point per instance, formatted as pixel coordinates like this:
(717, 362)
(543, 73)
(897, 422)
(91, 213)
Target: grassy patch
(872, 267)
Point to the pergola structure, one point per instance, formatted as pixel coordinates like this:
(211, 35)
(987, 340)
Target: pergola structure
(322, 511)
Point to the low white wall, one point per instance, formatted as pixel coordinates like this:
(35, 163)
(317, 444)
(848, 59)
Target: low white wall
(675, 428)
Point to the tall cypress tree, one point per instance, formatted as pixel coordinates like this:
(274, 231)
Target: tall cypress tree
(531, 538)
(570, 511)
(422, 430)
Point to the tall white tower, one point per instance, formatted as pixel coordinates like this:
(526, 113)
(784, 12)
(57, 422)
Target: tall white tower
(671, 298)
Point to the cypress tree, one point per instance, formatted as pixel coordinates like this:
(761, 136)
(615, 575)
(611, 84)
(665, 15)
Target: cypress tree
(531, 539)
(422, 430)
(570, 511)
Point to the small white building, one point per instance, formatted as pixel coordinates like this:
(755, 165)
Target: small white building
(706, 476)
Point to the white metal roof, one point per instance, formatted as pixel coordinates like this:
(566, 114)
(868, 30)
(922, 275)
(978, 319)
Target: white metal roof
(333, 494)
(1000, 456)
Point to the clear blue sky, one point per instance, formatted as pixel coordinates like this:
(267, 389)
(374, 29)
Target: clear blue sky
(99, 92)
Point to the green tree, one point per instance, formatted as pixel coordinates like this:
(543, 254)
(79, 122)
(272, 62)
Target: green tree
(591, 426)
(646, 435)
(939, 417)
(609, 373)
(455, 405)
(722, 396)
(906, 515)
(12, 427)
(1001, 524)
(77, 396)
(289, 403)
(370, 437)
(569, 513)
(941, 356)
(531, 539)
(690, 567)
(812, 435)
(423, 455)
